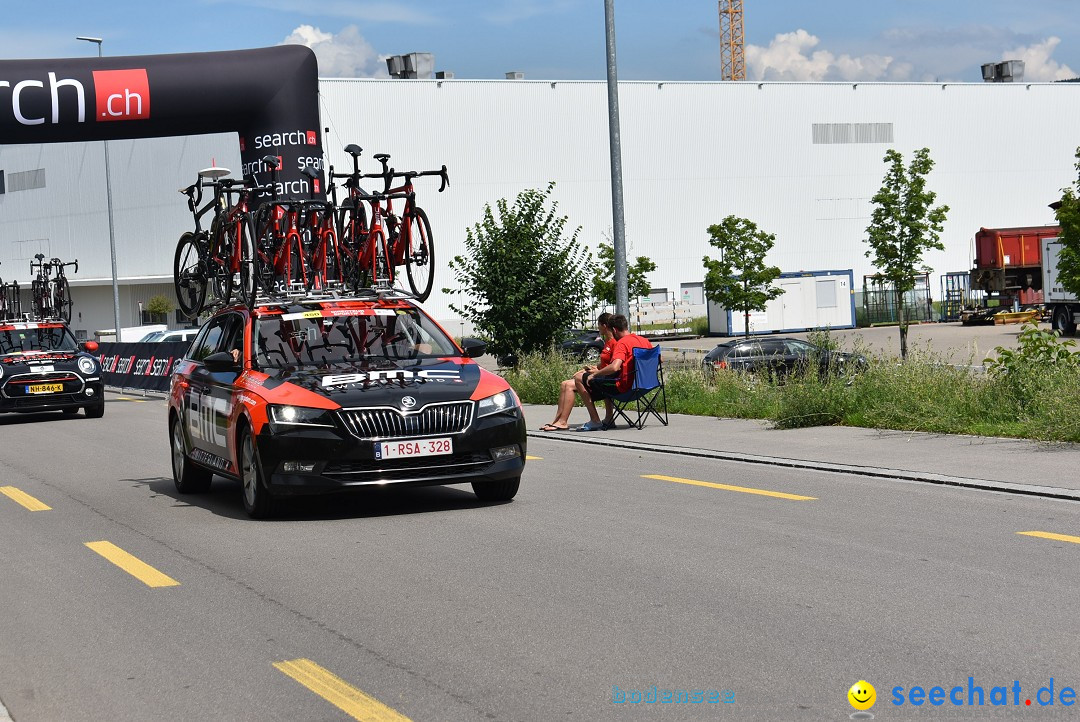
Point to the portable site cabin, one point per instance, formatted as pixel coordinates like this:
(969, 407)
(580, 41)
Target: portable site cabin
(811, 300)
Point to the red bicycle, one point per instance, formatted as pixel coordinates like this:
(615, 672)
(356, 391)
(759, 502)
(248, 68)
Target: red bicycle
(281, 230)
(364, 246)
(411, 241)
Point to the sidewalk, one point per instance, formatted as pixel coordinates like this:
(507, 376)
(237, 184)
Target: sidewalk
(1009, 465)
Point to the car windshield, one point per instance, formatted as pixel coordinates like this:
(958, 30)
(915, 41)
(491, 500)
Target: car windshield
(296, 339)
(152, 336)
(35, 339)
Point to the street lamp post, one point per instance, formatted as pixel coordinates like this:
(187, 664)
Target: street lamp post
(109, 201)
(622, 301)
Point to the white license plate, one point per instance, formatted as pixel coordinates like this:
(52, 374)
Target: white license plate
(414, 447)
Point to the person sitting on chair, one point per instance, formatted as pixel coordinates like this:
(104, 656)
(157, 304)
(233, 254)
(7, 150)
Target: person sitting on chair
(568, 388)
(615, 378)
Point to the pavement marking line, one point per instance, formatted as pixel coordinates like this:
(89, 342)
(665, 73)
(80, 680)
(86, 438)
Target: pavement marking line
(729, 487)
(135, 567)
(1049, 535)
(124, 398)
(534, 458)
(338, 692)
(21, 497)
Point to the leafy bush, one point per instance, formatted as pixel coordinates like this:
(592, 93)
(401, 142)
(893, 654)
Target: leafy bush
(521, 283)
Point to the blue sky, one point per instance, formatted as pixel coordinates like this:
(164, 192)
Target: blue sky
(564, 39)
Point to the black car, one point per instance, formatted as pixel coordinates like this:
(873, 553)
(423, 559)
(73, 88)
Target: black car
(43, 368)
(581, 345)
(320, 396)
(779, 357)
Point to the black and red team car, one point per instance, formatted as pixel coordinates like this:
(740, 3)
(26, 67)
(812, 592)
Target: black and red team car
(332, 395)
(43, 368)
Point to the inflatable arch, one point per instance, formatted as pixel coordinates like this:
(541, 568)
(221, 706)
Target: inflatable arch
(269, 96)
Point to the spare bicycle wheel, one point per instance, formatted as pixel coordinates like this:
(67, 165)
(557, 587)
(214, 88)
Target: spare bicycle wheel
(189, 275)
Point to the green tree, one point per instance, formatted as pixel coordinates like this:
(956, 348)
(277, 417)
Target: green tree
(903, 226)
(603, 283)
(741, 280)
(521, 282)
(1068, 217)
(159, 304)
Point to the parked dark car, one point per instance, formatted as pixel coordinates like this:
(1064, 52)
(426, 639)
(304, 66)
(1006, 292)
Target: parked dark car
(582, 345)
(779, 356)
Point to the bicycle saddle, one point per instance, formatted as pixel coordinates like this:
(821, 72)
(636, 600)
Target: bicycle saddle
(381, 157)
(353, 149)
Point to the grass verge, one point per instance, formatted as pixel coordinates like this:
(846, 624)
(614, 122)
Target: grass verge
(922, 394)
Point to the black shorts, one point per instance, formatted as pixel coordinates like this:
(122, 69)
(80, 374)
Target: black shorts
(600, 388)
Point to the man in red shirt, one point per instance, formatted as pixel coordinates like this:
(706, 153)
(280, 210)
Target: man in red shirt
(614, 378)
(569, 387)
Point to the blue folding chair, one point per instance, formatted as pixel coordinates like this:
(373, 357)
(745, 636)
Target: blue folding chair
(646, 392)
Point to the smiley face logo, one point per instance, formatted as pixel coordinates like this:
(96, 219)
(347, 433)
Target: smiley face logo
(862, 695)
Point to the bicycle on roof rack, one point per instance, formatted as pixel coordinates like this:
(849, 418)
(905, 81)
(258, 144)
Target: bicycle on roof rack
(364, 245)
(297, 248)
(220, 259)
(50, 295)
(411, 241)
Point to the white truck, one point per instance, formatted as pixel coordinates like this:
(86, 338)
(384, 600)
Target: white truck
(1064, 306)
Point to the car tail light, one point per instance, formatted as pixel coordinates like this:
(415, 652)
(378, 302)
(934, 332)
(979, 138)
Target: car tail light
(720, 364)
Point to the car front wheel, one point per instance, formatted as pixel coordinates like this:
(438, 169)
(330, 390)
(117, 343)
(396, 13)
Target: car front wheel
(189, 479)
(257, 500)
(496, 490)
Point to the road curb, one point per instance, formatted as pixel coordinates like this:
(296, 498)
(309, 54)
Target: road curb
(1049, 492)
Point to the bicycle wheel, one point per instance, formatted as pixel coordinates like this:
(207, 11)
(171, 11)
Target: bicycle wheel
(247, 286)
(265, 250)
(384, 265)
(420, 254)
(189, 275)
(38, 302)
(218, 263)
(62, 298)
(333, 268)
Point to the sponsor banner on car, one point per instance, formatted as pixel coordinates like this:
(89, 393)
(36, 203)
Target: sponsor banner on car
(140, 365)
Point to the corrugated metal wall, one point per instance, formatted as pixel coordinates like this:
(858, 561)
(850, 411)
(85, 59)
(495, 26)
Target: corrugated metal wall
(693, 153)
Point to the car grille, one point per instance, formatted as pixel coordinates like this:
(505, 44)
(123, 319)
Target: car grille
(404, 469)
(387, 423)
(17, 387)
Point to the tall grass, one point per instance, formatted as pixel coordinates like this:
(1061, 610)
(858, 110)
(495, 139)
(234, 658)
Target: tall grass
(925, 393)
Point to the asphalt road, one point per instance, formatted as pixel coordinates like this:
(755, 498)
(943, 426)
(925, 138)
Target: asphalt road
(594, 581)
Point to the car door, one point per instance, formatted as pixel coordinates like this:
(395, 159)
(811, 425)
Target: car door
(800, 354)
(773, 357)
(209, 397)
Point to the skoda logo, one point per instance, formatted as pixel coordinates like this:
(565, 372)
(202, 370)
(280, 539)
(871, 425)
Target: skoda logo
(408, 402)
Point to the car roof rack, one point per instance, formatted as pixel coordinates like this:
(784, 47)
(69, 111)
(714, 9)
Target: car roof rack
(297, 295)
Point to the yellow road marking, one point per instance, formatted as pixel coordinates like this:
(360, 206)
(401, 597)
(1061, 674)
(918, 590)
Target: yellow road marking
(1055, 537)
(125, 398)
(135, 567)
(338, 692)
(729, 487)
(534, 458)
(21, 497)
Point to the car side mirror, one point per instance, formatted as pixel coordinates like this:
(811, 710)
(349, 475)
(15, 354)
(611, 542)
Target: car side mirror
(90, 346)
(473, 347)
(220, 362)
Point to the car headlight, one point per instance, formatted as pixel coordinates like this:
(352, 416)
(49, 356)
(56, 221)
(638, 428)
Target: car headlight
(496, 404)
(283, 417)
(87, 365)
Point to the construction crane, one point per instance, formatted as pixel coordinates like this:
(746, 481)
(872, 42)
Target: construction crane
(732, 58)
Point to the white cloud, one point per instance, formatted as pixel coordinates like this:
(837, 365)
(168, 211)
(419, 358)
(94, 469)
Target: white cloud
(1038, 66)
(792, 56)
(345, 55)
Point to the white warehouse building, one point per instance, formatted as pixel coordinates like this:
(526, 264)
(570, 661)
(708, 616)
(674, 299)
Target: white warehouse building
(802, 160)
